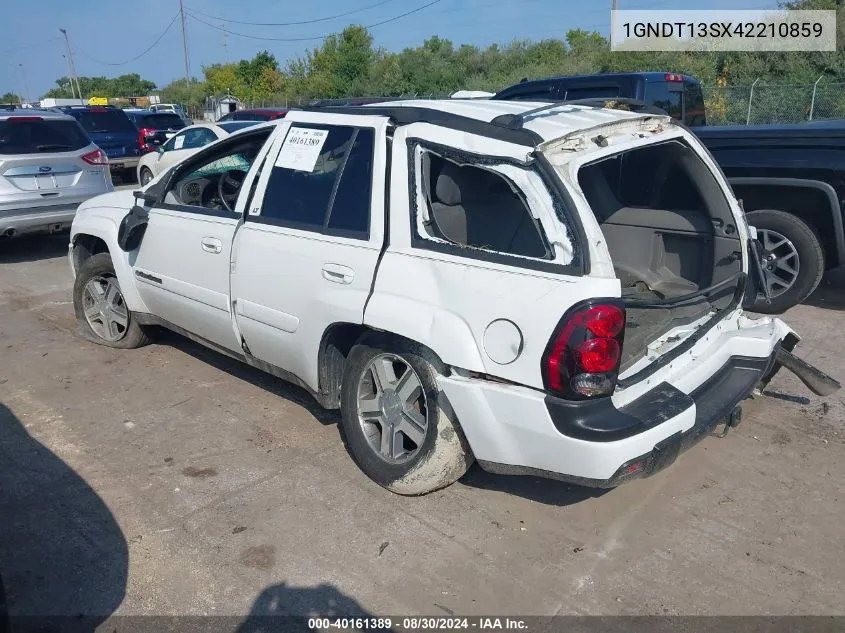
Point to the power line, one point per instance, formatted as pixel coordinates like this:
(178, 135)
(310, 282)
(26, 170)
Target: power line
(313, 21)
(27, 46)
(139, 56)
(313, 37)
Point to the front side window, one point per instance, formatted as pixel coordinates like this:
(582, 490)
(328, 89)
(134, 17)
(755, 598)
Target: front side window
(321, 180)
(213, 179)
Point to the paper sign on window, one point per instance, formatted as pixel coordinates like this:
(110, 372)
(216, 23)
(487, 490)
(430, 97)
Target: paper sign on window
(178, 142)
(301, 148)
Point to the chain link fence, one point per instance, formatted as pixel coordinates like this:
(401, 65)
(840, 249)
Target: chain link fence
(758, 103)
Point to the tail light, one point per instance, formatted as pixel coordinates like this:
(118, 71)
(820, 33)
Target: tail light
(673, 77)
(24, 119)
(144, 141)
(583, 356)
(97, 157)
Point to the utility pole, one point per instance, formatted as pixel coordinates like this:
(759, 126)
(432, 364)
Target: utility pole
(185, 44)
(69, 78)
(225, 43)
(72, 66)
(25, 84)
(614, 6)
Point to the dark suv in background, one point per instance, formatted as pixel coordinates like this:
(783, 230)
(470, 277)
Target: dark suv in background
(679, 95)
(114, 133)
(154, 128)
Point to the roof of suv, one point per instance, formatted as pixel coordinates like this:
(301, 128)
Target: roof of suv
(43, 114)
(476, 116)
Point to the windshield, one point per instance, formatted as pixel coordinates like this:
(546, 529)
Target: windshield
(103, 120)
(161, 121)
(234, 126)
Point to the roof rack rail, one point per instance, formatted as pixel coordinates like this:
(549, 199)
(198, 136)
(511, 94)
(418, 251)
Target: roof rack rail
(515, 121)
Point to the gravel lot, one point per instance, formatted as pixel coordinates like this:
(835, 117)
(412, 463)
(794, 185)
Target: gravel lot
(171, 480)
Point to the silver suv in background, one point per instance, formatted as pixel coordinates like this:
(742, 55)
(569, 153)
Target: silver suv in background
(48, 167)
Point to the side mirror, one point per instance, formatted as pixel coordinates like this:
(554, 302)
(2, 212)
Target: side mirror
(160, 149)
(146, 196)
(132, 229)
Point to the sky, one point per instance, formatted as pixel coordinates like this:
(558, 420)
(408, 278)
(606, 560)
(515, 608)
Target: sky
(106, 37)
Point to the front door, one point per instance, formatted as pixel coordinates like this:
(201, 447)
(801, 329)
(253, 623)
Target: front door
(182, 264)
(305, 256)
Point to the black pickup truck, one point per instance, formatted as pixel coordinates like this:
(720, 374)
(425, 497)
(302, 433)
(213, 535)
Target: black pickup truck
(791, 180)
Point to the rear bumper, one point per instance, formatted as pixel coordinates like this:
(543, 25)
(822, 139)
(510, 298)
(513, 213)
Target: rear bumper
(129, 162)
(519, 430)
(50, 219)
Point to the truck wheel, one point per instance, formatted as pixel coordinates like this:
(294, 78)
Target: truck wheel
(101, 311)
(398, 425)
(793, 260)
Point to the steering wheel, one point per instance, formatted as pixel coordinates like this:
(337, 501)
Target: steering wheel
(233, 179)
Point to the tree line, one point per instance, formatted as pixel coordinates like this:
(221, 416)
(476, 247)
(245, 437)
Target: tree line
(348, 64)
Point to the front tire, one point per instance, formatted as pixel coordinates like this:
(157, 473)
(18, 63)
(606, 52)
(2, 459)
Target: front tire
(793, 263)
(101, 312)
(398, 425)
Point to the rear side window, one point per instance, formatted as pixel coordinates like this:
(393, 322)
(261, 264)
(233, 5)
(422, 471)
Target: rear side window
(591, 92)
(97, 121)
(659, 94)
(474, 207)
(25, 135)
(161, 121)
(333, 194)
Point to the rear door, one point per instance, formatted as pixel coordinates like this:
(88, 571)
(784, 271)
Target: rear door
(306, 253)
(41, 163)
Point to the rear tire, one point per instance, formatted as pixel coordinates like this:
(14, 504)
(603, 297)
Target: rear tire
(101, 311)
(801, 252)
(426, 449)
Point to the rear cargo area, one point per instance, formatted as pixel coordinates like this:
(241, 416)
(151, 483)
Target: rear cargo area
(671, 236)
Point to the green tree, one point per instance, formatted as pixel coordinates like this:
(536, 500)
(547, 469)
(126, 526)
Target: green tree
(10, 97)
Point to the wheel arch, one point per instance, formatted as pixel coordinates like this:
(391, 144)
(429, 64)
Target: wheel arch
(337, 341)
(822, 213)
(93, 234)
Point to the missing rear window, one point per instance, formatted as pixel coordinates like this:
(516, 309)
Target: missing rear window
(474, 207)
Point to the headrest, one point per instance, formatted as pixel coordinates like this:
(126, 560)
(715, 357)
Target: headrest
(446, 189)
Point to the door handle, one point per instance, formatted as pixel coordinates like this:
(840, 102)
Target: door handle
(211, 245)
(338, 274)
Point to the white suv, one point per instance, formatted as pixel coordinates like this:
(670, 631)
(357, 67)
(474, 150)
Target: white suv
(549, 289)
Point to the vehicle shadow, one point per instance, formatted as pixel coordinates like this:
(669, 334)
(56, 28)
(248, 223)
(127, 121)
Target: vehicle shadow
(831, 291)
(33, 248)
(249, 374)
(63, 558)
(538, 489)
(546, 491)
(285, 608)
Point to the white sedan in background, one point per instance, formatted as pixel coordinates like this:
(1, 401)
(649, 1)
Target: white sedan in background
(183, 144)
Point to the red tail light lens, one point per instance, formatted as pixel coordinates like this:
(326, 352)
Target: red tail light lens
(599, 355)
(24, 119)
(582, 359)
(97, 157)
(144, 135)
(674, 77)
